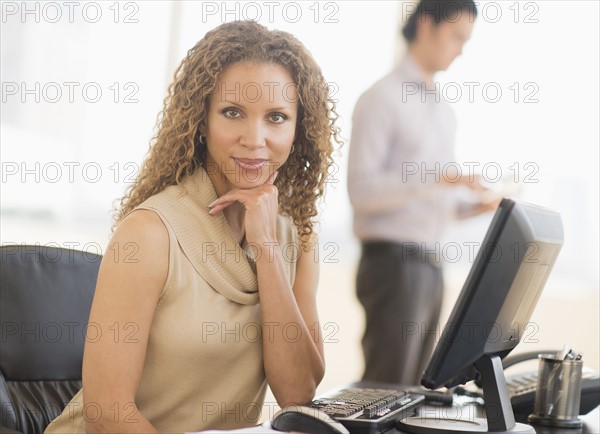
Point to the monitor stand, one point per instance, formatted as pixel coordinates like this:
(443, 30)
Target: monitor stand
(499, 414)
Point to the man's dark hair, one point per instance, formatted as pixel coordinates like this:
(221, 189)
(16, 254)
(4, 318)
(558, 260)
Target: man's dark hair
(438, 10)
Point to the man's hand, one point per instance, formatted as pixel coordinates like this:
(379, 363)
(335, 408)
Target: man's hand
(488, 205)
(471, 181)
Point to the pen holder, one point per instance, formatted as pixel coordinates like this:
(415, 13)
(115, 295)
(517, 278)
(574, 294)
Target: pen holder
(558, 393)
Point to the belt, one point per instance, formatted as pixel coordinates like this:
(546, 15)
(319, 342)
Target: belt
(407, 251)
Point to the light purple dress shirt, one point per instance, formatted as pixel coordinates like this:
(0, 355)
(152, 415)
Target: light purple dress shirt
(402, 141)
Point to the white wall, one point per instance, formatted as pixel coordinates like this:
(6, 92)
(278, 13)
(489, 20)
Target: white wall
(546, 125)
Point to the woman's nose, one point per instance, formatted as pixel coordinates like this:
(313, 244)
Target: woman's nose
(253, 135)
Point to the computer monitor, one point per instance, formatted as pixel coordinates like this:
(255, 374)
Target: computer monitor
(491, 314)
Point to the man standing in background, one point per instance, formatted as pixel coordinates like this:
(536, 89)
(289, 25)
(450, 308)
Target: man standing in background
(403, 194)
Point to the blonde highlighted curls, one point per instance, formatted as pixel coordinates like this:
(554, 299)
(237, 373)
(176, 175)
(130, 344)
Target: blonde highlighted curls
(177, 150)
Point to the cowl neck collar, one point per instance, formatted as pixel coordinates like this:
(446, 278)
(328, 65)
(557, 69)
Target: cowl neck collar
(207, 240)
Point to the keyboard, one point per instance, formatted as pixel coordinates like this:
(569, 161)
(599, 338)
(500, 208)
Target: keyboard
(368, 410)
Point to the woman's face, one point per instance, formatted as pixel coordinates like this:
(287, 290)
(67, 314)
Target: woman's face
(251, 124)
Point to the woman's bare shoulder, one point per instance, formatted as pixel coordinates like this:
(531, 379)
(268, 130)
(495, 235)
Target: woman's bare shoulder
(141, 243)
(143, 224)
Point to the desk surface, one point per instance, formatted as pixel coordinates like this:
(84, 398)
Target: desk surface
(591, 421)
(591, 424)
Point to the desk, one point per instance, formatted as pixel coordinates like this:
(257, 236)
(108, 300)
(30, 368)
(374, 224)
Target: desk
(591, 421)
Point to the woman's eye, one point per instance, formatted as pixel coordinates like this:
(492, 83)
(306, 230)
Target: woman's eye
(277, 118)
(231, 113)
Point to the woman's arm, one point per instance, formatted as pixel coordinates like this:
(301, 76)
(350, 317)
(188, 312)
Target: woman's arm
(292, 344)
(293, 354)
(132, 274)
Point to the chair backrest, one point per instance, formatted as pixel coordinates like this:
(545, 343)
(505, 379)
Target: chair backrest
(45, 299)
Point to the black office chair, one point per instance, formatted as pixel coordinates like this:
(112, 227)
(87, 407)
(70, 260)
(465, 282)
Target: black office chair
(45, 299)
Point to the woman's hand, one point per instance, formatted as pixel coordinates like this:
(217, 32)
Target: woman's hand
(261, 205)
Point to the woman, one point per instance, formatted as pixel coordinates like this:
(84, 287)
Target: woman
(199, 303)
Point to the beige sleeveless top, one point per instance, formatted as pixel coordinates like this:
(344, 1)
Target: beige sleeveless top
(204, 366)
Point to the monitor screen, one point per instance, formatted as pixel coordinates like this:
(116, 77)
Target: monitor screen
(491, 315)
(499, 295)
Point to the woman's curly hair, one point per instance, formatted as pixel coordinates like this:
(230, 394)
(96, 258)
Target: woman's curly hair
(177, 150)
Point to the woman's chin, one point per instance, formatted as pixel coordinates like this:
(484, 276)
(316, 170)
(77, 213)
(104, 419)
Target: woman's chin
(247, 182)
(250, 178)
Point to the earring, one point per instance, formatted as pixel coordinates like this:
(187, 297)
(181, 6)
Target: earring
(292, 151)
(202, 148)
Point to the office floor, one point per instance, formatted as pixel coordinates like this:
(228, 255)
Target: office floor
(555, 321)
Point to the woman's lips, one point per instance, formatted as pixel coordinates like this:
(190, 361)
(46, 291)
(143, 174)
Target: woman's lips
(250, 164)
